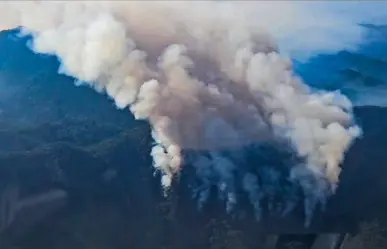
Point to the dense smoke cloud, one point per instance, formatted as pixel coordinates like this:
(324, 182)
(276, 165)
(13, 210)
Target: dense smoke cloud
(208, 77)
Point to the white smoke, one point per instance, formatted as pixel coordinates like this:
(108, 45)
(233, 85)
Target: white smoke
(206, 75)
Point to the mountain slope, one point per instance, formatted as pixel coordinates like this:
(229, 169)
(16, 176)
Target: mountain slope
(53, 134)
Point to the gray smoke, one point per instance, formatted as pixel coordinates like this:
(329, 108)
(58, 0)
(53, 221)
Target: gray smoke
(207, 76)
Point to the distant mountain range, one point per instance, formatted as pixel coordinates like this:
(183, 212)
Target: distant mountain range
(360, 74)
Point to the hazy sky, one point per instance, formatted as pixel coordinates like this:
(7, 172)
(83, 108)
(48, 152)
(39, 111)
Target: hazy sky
(329, 26)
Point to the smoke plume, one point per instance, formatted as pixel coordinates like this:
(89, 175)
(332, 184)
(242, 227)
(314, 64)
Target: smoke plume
(209, 79)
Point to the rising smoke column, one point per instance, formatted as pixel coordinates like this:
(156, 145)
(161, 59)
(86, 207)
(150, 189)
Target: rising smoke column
(207, 76)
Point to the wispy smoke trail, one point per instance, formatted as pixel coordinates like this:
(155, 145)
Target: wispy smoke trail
(208, 77)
